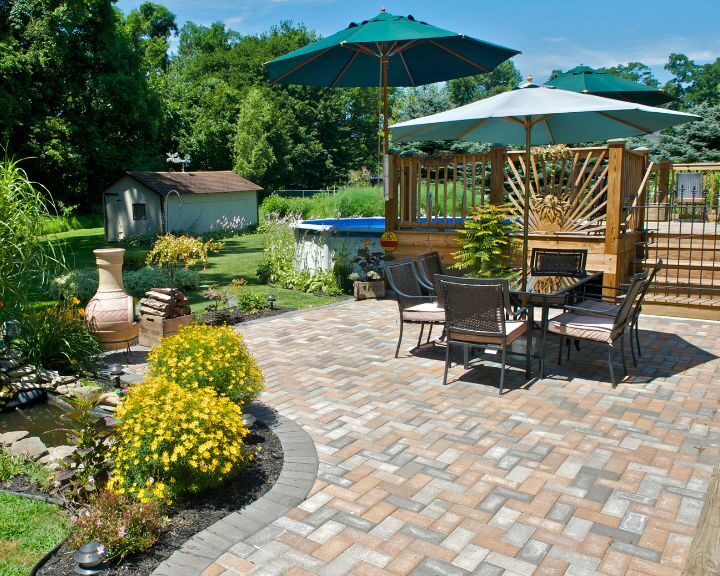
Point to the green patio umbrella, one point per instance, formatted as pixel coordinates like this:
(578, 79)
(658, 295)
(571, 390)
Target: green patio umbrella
(539, 115)
(384, 51)
(598, 83)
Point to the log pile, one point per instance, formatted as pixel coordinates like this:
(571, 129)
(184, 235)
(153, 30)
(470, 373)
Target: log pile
(164, 303)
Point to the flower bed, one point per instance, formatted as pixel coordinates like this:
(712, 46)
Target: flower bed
(195, 513)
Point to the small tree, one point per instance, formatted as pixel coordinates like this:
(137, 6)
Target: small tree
(486, 242)
(175, 251)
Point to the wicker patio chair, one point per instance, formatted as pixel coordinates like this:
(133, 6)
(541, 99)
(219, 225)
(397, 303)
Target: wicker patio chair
(597, 327)
(415, 306)
(475, 316)
(610, 306)
(429, 266)
(558, 262)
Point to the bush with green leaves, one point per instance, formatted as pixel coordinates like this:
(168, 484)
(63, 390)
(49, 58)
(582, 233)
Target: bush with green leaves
(83, 283)
(486, 242)
(359, 201)
(138, 282)
(57, 337)
(252, 303)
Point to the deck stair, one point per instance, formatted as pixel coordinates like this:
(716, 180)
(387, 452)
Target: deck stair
(691, 256)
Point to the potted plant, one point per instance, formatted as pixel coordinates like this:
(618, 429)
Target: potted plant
(369, 281)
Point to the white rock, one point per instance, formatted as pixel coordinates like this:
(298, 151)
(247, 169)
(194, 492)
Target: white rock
(109, 398)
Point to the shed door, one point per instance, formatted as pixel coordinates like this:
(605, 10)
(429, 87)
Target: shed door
(113, 218)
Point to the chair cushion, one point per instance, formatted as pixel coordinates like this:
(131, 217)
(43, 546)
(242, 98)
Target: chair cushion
(425, 312)
(604, 308)
(513, 330)
(597, 328)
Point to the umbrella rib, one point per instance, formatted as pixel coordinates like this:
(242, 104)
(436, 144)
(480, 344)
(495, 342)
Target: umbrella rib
(626, 123)
(549, 133)
(344, 69)
(303, 63)
(360, 48)
(457, 55)
(405, 46)
(407, 69)
(474, 127)
(411, 134)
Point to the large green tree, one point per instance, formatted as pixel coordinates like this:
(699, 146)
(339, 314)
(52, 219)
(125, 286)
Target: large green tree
(216, 84)
(75, 98)
(465, 90)
(693, 83)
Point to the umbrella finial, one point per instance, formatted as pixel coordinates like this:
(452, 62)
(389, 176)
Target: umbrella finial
(529, 78)
(382, 9)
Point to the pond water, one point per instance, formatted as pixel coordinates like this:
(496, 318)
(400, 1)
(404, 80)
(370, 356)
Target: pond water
(37, 420)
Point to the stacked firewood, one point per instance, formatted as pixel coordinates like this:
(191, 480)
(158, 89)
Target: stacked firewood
(164, 303)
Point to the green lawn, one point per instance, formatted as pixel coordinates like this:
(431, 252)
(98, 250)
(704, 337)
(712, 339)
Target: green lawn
(239, 258)
(28, 530)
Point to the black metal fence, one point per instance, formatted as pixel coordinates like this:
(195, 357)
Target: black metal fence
(685, 233)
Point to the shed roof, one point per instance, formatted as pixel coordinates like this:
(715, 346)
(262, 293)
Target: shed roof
(194, 182)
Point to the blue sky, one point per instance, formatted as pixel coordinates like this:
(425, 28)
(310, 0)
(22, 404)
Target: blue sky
(550, 33)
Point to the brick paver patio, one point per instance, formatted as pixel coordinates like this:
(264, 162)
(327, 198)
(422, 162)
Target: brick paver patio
(565, 476)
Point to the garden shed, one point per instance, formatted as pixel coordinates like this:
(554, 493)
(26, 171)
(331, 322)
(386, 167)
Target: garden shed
(197, 202)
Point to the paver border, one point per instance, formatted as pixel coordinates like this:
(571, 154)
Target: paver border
(297, 477)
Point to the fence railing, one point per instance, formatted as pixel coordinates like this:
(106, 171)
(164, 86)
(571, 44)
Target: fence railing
(440, 192)
(684, 232)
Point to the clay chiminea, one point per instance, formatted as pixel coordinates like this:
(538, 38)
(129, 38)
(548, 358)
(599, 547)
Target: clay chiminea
(110, 314)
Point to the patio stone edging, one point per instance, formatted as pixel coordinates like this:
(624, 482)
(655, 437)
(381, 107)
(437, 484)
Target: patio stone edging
(298, 474)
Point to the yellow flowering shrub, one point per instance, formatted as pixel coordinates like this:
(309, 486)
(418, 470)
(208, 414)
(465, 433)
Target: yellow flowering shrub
(214, 356)
(172, 440)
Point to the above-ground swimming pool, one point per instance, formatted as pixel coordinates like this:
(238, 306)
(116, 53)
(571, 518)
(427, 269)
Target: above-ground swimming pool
(318, 243)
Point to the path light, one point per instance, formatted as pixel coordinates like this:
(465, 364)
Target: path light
(271, 299)
(90, 559)
(248, 420)
(116, 370)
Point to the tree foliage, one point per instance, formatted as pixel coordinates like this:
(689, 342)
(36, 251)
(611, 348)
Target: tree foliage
(77, 100)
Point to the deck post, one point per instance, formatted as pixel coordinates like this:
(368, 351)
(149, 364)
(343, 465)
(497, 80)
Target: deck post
(663, 181)
(614, 213)
(498, 155)
(391, 204)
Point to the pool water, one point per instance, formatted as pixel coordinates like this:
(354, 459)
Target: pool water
(37, 420)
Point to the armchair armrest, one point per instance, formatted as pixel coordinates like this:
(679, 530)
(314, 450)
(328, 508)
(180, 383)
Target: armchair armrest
(519, 312)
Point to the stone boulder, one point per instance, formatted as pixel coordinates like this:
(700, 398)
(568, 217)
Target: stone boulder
(32, 448)
(10, 438)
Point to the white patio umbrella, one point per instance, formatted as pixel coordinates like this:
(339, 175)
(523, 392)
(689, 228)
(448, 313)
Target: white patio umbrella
(539, 115)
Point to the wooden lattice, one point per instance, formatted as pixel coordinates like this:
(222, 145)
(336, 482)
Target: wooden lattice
(571, 185)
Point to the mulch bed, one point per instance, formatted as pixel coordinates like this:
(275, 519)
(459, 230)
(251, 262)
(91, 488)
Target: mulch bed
(234, 315)
(196, 513)
(24, 485)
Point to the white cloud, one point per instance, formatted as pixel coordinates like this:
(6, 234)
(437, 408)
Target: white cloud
(562, 53)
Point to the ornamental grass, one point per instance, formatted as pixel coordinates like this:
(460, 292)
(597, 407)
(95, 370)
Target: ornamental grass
(208, 356)
(172, 440)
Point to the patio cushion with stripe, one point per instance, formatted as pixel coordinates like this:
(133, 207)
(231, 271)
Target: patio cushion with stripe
(598, 328)
(513, 330)
(425, 312)
(605, 308)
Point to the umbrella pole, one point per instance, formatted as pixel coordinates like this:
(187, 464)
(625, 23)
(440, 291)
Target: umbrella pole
(526, 203)
(386, 138)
